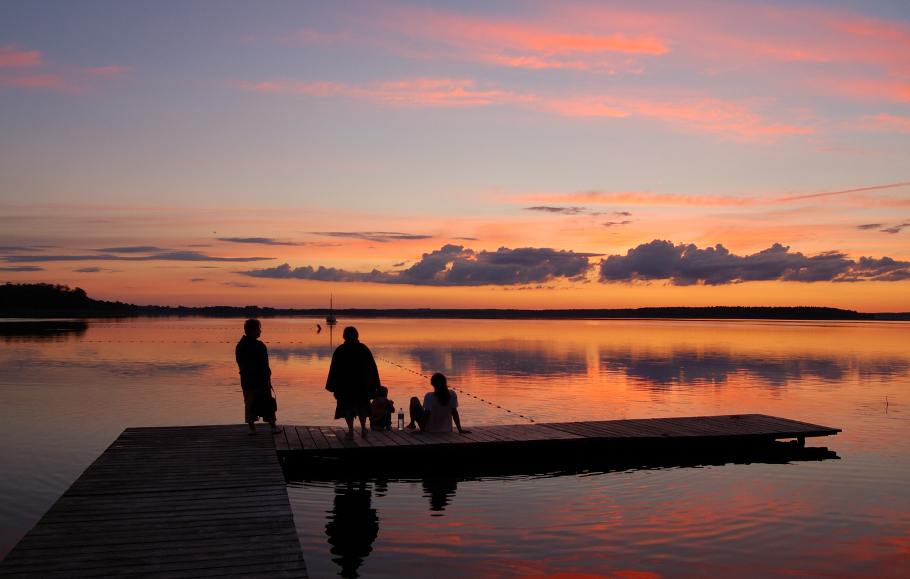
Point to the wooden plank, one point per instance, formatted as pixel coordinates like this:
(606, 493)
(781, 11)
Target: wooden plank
(306, 438)
(170, 502)
(332, 438)
(401, 437)
(293, 439)
(493, 436)
(319, 438)
(480, 433)
(382, 436)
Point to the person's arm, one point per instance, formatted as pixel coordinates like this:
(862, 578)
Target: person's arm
(372, 371)
(423, 423)
(458, 422)
(331, 381)
(260, 362)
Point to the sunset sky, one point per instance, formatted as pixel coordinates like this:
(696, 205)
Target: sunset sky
(469, 154)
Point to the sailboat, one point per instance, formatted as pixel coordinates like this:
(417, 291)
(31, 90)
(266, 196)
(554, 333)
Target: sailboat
(330, 319)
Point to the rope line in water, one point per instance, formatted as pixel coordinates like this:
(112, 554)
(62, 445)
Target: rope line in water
(455, 389)
(377, 357)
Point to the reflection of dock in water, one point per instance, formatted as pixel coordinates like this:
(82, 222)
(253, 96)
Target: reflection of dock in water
(568, 446)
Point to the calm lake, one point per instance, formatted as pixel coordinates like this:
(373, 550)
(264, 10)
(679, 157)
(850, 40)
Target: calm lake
(65, 396)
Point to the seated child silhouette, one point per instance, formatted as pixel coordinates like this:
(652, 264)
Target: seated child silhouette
(381, 410)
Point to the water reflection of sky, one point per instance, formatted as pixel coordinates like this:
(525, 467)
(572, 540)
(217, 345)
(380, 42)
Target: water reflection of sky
(83, 386)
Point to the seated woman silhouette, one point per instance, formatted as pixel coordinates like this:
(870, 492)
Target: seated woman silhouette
(439, 410)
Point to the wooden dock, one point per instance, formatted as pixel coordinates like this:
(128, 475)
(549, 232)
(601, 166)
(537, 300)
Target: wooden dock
(210, 501)
(328, 441)
(198, 501)
(323, 452)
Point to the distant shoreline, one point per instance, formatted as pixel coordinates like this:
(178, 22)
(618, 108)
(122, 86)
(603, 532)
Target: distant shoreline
(59, 301)
(711, 313)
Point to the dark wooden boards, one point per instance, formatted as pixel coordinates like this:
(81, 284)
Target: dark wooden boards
(198, 501)
(329, 441)
(707, 427)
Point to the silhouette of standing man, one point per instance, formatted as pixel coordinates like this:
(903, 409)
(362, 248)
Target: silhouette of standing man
(255, 374)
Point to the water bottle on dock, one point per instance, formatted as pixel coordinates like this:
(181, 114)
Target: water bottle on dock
(401, 418)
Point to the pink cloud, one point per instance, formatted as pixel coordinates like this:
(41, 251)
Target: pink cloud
(586, 108)
(707, 38)
(38, 81)
(287, 86)
(883, 123)
(676, 199)
(11, 57)
(635, 198)
(701, 113)
(440, 92)
(716, 116)
(53, 76)
(316, 37)
(110, 71)
(513, 42)
(409, 92)
(862, 88)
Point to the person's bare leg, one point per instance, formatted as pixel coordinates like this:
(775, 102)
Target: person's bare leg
(252, 426)
(350, 422)
(363, 426)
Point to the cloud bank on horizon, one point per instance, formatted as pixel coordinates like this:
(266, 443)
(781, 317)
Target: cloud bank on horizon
(680, 265)
(454, 265)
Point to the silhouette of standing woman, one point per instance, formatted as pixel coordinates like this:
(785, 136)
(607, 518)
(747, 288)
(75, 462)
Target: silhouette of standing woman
(353, 379)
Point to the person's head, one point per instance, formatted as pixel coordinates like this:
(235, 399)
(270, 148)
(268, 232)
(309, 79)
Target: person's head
(252, 328)
(382, 392)
(350, 334)
(440, 387)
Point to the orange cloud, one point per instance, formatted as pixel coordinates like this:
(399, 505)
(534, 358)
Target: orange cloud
(10, 57)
